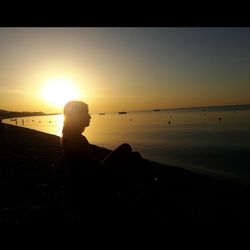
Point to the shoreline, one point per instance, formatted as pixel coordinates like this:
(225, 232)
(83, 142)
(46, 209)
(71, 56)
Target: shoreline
(31, 193)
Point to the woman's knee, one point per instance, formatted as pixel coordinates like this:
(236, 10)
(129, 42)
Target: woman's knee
(125, 147)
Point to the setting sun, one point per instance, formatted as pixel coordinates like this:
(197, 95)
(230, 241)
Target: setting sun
(59, 91)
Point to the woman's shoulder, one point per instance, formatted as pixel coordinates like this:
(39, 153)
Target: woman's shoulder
(75, 143)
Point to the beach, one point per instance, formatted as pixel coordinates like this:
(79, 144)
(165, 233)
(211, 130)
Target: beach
(33, 191)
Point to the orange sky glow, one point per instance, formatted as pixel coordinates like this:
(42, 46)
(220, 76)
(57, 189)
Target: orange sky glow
(115, 69)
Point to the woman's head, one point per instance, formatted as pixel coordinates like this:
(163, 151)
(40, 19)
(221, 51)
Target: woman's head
(76, 116)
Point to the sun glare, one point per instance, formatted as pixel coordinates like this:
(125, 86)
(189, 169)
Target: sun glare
(60, 91)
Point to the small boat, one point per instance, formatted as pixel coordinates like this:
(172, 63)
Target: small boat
(156, 109)
(122, 112)
(101, 113)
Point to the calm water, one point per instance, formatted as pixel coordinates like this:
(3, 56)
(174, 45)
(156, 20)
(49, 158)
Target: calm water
(195, 139)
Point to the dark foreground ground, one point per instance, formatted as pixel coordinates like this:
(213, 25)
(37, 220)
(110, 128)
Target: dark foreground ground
(32, 191)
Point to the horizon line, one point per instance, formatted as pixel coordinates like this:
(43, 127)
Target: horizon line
(190, 107)
(143, 110)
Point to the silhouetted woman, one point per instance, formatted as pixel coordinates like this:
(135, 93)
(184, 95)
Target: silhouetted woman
(89, 173)
(78, 152)
(81, 158)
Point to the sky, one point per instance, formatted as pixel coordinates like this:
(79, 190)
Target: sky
(123, 69)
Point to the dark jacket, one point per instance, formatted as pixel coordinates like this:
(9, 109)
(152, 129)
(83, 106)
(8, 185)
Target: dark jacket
(79, 157)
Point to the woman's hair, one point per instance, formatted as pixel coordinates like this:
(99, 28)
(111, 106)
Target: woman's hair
(73, 110)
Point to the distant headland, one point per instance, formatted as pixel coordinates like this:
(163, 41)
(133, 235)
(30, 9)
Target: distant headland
(11, 114)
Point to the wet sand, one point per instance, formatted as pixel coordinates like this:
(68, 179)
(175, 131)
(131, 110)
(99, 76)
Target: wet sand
(33, 191)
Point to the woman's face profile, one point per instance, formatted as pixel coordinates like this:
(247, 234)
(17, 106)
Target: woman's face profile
(85, 118)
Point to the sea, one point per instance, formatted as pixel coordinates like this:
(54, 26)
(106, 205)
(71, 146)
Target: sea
(208, 140)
